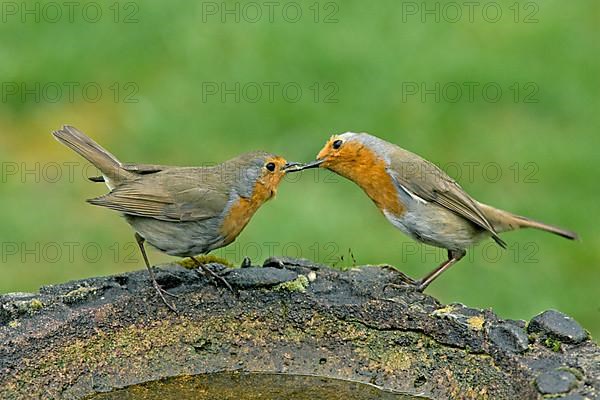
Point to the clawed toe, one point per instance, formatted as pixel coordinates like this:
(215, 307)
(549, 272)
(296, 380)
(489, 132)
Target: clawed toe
(223, 281)
(403, 286)
(216, 278)
(405, 282)
(176, 296)
(420, 287)
(161, 292)
(402, 277)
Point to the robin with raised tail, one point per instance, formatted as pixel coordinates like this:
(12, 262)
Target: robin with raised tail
(419, 198)
(182, 211)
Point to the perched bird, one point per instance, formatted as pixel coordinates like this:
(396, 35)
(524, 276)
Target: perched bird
(182, 211)
(418, 198)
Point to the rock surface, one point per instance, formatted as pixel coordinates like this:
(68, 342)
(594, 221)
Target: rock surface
(509, 337)
(558, 326)
(292, 316)
(555, 382)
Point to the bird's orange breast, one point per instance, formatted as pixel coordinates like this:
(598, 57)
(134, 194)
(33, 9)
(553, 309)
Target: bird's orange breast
(368, 170)
(240, 212)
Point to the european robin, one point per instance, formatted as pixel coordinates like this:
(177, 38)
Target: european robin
(182, 211)
(419, 198)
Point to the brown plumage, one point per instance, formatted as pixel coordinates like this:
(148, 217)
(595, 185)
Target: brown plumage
(419, 198)
(182, 211)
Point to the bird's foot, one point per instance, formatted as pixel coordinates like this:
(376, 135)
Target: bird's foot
(175, 296)
(389, 267)
(414, 285)
(162, 292)
(406, 281)
(217, 278)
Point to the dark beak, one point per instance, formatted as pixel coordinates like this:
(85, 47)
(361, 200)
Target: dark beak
(295, 167)
(292, 167)
(312, 164)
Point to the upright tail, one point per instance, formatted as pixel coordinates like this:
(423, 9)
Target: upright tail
(107, 163)
(503, 221)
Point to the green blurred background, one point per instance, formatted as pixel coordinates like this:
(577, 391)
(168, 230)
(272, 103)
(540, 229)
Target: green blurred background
(356, 63)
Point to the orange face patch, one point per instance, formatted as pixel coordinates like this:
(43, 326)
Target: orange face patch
(355, 161)
(270, 180)
(328, 152)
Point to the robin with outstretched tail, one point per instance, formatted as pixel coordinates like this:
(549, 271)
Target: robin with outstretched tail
(420, 199)
(182, 211)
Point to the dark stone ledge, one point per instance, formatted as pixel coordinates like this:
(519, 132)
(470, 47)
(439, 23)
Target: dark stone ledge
(292, 316)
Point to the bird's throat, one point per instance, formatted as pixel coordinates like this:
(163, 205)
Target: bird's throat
(369, 172)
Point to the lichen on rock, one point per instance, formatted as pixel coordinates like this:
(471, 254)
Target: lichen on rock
(94, 335)
(297, 285)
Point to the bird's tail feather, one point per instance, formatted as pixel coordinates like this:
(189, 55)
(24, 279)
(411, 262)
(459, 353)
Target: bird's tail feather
(504, 221)
(525, 222)
(83, 145)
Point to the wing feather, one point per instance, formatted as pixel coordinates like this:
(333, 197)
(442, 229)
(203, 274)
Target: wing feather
(177, 194)
(432, 184)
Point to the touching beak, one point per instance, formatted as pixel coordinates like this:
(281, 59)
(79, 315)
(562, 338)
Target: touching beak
(292, 167)
(312, 164)
(295, 167)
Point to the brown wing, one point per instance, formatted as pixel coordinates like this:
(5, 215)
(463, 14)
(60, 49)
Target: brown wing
(146, 168)
(178, 194)
(141, 169)
(427, 181)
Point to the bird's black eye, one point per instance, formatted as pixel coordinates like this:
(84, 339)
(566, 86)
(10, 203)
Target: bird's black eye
(270, 166)
(337, 144)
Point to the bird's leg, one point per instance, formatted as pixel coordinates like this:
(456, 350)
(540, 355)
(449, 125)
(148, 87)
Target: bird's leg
(161, 292)
(215, 276)
(453, 257)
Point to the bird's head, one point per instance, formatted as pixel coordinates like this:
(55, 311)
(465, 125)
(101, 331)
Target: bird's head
(259, 173)
(348, 153)
(363, 159)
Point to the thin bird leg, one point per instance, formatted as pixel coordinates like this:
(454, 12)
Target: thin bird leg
(213, 274)
(161, 292)
(453, 258)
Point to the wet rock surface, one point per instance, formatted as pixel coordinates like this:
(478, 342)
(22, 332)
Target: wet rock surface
(256, 278)
(555, 382)
(558, 326)
(289, 316)
(509, 337)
